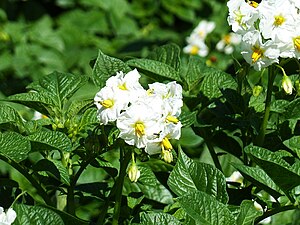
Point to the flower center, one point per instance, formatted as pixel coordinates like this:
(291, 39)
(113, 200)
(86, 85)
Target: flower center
(254, 4)
(257, 54)
(297, 43)
(194, 50)
(238, 16)
(172, 119)
(107, 103)
(139, 129)
(123, 87)
(279, 20)
(227, 39)
(166, 144)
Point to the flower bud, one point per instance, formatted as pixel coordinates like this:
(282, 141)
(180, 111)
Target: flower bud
(287, 85)
(167, 156)
(133, 172)
(257, 90)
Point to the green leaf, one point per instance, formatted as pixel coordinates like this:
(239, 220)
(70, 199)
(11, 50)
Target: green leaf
(248, 213)
(293, 144)
(168, 54)
(106, 66)
(9, 115)
(61, 85)
(47, 166)
(205, 209)
(214, 81)
(188, 118)
(51, 139)
(78, 106)
(276, 168)
(291, 110)
(37, 215)
(63, 172)
(158, 218)
(260, 179)
(14, 146)
(154, 69)
(40, 101)
(189, 175)
(195, 73)
(89, 117)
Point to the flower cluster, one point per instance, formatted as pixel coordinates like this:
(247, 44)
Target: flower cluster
(145, 118)
(8, 217)
(196, 41)
(270, 30)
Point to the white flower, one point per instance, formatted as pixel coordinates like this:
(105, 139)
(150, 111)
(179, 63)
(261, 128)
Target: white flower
(203, 29)
(138, 124)
(8, 217)
(242, 15)
(236, 176)
(110, 103)
(228, 42)
(127, 84)
(259, 54)
(277, 21)
(196, 47)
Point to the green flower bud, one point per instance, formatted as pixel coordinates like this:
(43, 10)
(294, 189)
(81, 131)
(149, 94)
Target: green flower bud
(167, 155)
(133, 172)
(257, 89)
(287, 85)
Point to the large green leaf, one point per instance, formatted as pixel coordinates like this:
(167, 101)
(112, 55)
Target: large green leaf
(205, 209)
(195, 73)
(293, 144)
(168, 54)
(248, 213)
(78, 106)
(40, 101)
(276, 168)
(189, 175)
(260, 179)
(105, 67)
(155, 69)
(51, 139)
(14, 146)
(36, 215)
(158, 218)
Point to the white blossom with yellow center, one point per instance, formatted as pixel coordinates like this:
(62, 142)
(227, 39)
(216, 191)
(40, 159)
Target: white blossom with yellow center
(138, 124)
(278, 20)
(228, 42)
(259, 54)
(110, 104)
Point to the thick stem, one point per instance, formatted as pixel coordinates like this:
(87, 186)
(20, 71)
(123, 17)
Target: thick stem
(124, 161)
(262, 132)
(40, 190)
(274, 211)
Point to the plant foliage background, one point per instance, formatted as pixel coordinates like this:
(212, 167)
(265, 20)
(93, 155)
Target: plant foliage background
(65, 168)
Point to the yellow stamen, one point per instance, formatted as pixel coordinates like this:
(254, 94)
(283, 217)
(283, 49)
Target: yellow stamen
(253, 4)
(297, 43)
(123, 87)
(279, 20)
(107, 103)
(139, 129)
(166, 144)
(150, 92)
(227, 39)
(194, 50)
(257, 54)
(172, 119)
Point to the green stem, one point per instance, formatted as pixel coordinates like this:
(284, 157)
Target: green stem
(40, 190)
(262, 132)
(71, 188)
(274, 211)
(124, 161)
(213, 154)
